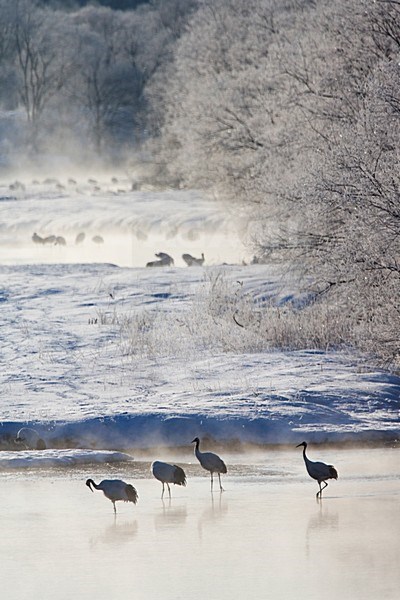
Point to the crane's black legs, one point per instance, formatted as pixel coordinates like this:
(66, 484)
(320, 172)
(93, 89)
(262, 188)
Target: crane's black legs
(319, 494)
(212, 482)
(163, 488)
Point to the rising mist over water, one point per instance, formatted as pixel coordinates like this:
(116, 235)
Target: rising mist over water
(115, 224)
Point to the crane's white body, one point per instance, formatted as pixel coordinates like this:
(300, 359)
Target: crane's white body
(167, 474)
(210, 462)
(318, 470)
(115, 490)
(30, 439)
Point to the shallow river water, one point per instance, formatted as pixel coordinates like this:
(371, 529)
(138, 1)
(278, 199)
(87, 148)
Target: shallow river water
(265, 536)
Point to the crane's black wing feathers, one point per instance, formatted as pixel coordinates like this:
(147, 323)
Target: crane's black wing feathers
(131, 493)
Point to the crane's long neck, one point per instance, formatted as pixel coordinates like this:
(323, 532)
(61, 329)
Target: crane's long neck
(196, 450)
(307, 460)
(97, 487)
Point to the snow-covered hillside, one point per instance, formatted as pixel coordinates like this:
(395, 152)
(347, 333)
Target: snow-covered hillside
(102, 356)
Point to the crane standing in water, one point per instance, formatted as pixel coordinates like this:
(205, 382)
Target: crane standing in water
(210, 462)
(318, 470)
(167, 474)
(114, 490)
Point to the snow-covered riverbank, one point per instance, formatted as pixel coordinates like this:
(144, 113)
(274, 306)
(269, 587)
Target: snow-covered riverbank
(108, 357)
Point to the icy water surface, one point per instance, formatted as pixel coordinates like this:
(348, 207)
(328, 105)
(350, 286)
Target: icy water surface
(265, 536)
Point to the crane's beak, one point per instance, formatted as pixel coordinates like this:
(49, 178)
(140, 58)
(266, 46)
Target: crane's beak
(298, 445)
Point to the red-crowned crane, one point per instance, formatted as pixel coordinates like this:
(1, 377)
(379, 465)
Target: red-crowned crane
(210, 462)
(114, 490)
(167, 474)
(30, 439)
(318, 470)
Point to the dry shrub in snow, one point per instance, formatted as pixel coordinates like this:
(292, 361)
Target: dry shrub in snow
(222, 318)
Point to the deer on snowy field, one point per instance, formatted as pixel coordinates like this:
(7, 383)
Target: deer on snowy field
(191, 261)
(165, 260)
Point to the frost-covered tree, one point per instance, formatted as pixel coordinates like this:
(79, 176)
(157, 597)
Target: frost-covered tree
(105, 85)
(7, 47)
(347, 215)
(272, 104)
(6, 32)
(120, 52)
(43, 58)
(82, 72)
(355, 259)
(230, 113)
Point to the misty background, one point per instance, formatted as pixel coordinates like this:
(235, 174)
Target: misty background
(286, 112)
